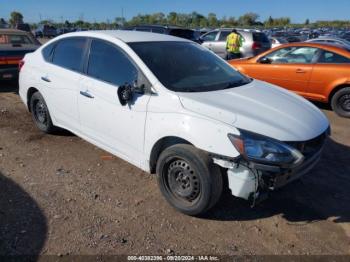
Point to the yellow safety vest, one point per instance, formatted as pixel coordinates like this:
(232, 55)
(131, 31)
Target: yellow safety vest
(233, 43)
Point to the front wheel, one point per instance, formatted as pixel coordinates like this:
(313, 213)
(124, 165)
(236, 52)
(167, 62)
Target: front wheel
(188, 179)
(341, 102)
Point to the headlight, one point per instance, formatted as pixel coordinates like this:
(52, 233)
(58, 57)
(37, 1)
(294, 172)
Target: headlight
(264, 149)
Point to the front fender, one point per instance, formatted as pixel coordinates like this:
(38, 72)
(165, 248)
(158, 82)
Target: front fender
(206, 134)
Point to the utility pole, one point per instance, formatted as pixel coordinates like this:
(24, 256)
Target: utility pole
(123, 16)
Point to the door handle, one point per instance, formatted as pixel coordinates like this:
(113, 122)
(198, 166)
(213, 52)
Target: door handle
(45, 79)
(86, 94)
(300, 71)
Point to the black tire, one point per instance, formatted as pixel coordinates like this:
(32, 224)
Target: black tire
(41, 114)
(188, 179)
(341, 102)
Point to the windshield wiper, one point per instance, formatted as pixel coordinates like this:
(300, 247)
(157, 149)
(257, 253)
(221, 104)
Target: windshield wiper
(236, 84)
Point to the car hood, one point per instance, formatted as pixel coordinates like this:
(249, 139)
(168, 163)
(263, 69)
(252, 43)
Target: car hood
(261, 108)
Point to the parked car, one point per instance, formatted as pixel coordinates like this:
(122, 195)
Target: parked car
(61, 31)
(331, 40)
(194, 124)
(23, 27)
(318, 72)
(255, 42)
(277, 41)
(293, 39)
(168, 30)
(14, 44)
(46, 31)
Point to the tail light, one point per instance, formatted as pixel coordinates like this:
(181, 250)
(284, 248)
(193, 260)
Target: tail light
(256, 45)
(20, 65)
(10, 60)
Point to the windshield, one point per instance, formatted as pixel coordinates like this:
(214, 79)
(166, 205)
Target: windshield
(188, 67)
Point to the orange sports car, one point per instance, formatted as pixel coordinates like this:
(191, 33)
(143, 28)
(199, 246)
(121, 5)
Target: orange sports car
(315, 71)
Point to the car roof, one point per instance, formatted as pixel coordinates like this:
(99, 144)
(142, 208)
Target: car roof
(129, 36)
(327, 46)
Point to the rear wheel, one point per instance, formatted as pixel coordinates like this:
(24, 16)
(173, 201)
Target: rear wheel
(41, 114)
(341, 102)
(188, 179)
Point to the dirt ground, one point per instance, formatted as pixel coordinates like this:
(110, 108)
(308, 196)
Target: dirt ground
(61, 195)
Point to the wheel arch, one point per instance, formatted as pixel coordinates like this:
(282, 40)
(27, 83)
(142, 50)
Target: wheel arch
(162, 144)
(30, 93)
(336, 89)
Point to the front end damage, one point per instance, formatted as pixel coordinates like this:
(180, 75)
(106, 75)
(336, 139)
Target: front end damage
(253, 181)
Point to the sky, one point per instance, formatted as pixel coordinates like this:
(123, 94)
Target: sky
(101, 10)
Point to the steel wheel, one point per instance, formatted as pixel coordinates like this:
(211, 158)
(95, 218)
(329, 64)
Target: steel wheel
(344, 102)
(40, 112)
(182, 181)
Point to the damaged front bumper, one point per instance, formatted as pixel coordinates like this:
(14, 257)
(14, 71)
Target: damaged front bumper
(253, 181)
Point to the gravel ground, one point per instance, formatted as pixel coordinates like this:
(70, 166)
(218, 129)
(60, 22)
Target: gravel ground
(61, 195)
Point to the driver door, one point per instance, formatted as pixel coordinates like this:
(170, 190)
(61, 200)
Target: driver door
(289, 67)
(103, 119)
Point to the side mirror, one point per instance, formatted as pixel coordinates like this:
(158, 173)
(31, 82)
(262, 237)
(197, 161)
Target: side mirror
(265, 60)
(126, 92)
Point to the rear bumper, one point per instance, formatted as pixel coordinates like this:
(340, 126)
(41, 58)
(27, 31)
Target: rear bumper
(8, 73)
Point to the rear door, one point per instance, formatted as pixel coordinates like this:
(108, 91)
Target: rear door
(61, 77)
(117, 128)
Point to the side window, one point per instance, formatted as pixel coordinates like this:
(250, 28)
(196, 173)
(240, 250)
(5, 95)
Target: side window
(293, 55)
(223, 35)
(47, 52)
(108, 63)
(328, 57)
(69, 53)
(210, 36)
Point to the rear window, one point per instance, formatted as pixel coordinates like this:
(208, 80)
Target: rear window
(10, 39)
(260, 37)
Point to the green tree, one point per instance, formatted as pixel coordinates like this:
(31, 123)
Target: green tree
(172, 18)
(269, 22)
(212, 20)
(16, 18)
(248, 19)
(307, 22)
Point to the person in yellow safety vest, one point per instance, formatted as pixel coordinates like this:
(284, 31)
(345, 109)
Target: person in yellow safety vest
(233, 43)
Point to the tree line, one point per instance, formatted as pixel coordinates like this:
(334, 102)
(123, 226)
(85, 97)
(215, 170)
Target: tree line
(191, 20)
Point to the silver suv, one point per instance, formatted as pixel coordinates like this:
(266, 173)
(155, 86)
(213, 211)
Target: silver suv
(255, 42)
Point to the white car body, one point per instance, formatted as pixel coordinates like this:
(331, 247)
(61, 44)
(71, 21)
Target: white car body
(203, 119)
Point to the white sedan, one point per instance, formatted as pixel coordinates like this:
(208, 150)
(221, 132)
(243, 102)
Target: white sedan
(171, 107)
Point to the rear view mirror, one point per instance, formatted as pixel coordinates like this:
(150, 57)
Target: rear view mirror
(265, 60)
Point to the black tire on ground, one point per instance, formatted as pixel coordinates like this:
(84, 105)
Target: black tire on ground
(188, 179)
(41, 114)
(341, 102)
